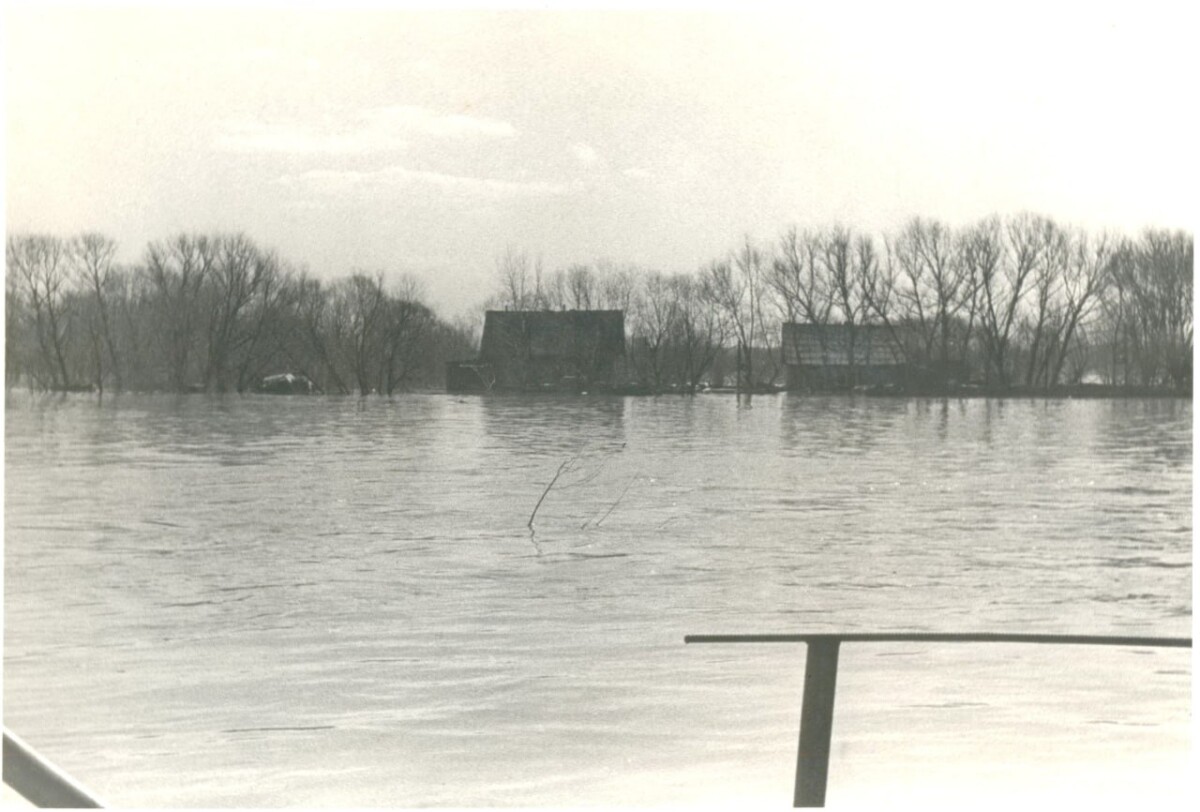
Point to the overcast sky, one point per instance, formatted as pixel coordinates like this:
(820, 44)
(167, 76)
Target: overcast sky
(427, 143)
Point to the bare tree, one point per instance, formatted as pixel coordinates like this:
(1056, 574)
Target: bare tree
(749, 262)
(1153, 281)
(618, 286)
(849, 264)
(797, 276)
(519, 280)
(41, 264)
(700, 330)
(177, 271)
(580, 287)
(727, 291)
(1001, 283)
(655, 313)
(236, 277)
(1087, 273)
(91, 256)
(321, 327)
(1043, 323)
(878, 285)
(553, 291)
(406, 335)
(1170, 256)
(15, 308)
(264, 333)
(866, 270)
(932, 291)
(135, 311)
(362, 305)
(737, 287)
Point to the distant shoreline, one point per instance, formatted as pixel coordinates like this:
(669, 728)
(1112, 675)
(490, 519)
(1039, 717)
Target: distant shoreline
(1062, 392)
(1090, 392)
(1077, 392)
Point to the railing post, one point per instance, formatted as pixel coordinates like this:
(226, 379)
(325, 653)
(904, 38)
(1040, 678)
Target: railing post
(816, 722)
(820, 681)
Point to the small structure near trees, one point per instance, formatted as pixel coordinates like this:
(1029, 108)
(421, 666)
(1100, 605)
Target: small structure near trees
(842, 356)
(286, 384)
(544, 350)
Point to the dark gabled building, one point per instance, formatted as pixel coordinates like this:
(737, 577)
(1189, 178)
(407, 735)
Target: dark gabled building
(841, 356)
(536, 350)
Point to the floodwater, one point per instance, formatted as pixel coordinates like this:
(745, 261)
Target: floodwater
(328, 601)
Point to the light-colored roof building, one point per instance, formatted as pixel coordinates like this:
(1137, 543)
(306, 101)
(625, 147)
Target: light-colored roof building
(839, 345)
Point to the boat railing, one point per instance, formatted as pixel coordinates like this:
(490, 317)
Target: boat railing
(45, 785)
(820, 683)
(41, 783)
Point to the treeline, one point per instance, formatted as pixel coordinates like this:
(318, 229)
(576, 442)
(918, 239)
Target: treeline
(214, 313)
(1006, 302)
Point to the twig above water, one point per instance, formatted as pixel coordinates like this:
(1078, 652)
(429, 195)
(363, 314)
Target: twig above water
(613, 506)
(595, 472)
(557, 474)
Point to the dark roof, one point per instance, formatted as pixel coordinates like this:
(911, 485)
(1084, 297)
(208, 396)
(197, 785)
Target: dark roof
(829, 345)
(548, 334)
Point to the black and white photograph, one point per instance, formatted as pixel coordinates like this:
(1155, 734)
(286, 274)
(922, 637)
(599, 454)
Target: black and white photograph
(616, 405)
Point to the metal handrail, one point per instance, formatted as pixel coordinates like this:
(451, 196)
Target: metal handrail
(45, 785)
(39, 781)
(820, 682)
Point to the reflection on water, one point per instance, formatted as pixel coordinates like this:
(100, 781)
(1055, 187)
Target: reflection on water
(337, 601)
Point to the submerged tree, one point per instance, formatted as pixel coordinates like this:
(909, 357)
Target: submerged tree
(934, 293)
(91, 257)
(177, 271)
(738, 287)
(40, 264)
(1150, 311)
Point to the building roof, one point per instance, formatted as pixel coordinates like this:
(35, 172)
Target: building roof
(829, 345)
(551, 334)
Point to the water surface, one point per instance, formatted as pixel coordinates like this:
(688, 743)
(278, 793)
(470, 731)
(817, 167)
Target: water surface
(329, 601)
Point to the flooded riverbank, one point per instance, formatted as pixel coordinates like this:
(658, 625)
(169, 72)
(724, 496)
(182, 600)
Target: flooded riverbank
(331, 601)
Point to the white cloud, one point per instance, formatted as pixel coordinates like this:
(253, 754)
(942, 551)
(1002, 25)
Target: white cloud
(585, 154)
(395, 177)
(297, 139)
(379, 129)
(420, 119)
